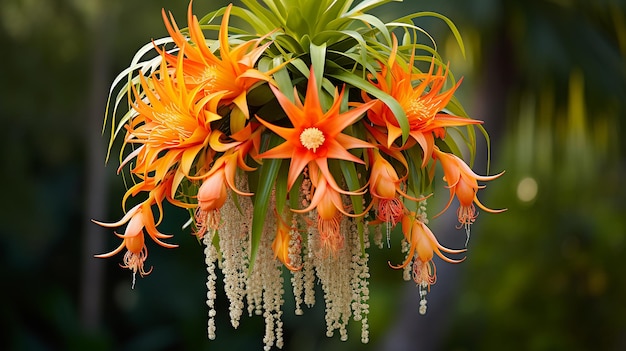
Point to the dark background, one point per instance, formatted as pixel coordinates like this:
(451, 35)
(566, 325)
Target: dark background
(548, 78)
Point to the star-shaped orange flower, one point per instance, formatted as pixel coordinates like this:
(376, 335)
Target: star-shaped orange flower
(422, 103)
(231, 71)
(316, 135)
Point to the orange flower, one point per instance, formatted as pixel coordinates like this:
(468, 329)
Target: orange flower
(212, 194)
(422, 104)
(386, 187)
(330, 210)
(316, 135)
(423, 242)
(137, 219)
(231, 72)
(463, 182)
(281, 242)
(171, 125)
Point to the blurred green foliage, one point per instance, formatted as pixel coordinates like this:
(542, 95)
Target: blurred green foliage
(547, 274)
(549, 79)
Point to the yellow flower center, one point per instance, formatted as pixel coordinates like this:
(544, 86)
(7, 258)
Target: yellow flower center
(208, 78)
(312, 138)
(418, 111)
(172, 120)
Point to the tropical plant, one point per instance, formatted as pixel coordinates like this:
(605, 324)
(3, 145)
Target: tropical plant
(289, 138)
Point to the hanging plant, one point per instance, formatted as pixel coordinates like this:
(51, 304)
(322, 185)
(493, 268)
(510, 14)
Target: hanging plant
(295, 142)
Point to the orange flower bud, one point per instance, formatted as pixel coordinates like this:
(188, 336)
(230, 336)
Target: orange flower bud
(212, 193)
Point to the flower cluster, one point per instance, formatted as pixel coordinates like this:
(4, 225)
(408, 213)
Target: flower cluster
(289, 142)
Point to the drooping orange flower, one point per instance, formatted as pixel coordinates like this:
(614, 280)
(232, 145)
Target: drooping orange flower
(386, 187)
(281, 243)
(463, 183)
(423, 245)
(423, 242)
(316, 135)
(423, 104)
(330, 210)
(137, 219)
(212, 194)
(231, 72)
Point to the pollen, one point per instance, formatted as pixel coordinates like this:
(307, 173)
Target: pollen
(312, 138)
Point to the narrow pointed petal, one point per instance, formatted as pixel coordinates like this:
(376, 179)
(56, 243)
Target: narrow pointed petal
(485, 208)
(122, 221)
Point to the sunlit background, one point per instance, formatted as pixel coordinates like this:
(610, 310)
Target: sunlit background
(547, 77)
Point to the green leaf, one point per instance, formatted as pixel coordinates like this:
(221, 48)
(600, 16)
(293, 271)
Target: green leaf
(281, 187)
(449, 23)
(283, 80)
(346, 46)
(367, 5)
(296, 25)
(351, 177)
(259, 18)
(311, 12)
(267, 177)
(294, 193)
(138, 65)
(273, 15)
(260, 95)
(333, 11)
(288, 45)
(488, 142)
(455, 108)
(325, 99)
(318, 59)
(387, 99)
(279, 8)
(377, 23)
(451, 145)
(416, 181)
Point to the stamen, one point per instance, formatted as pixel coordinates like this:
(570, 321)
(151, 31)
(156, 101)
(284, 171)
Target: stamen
(424, 274)
(170, 120)
(208, 79)
(330, 236)
(312, 138)
(390, 211)
(467, 215)
(419, 112)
